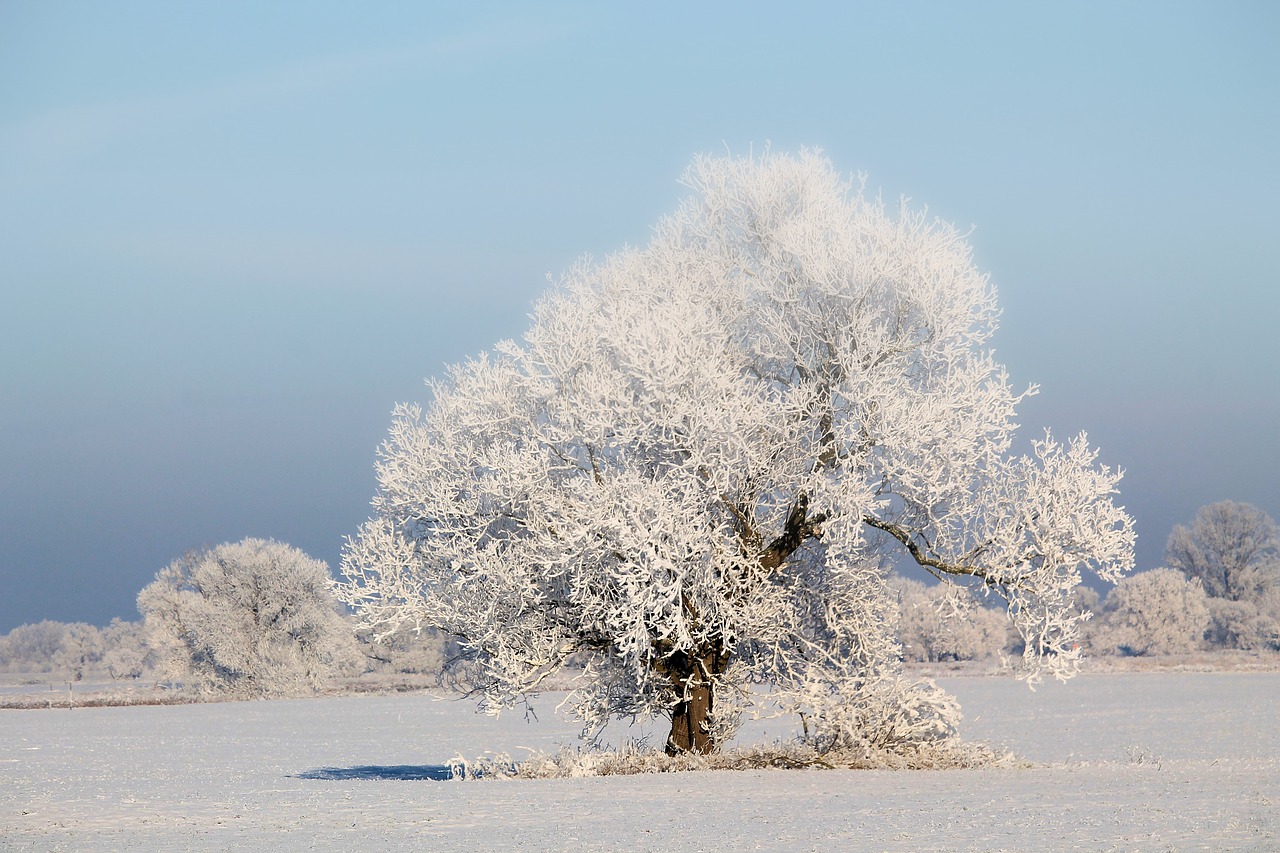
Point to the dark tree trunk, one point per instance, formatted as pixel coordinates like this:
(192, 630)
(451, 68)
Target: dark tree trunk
(689, 722)
(692, 674)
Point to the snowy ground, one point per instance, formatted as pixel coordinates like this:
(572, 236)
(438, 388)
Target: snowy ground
(1159, 761)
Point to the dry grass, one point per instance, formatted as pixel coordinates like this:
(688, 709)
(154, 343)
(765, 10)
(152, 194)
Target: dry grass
(1218, 660)
(96, 699)
(633, 759)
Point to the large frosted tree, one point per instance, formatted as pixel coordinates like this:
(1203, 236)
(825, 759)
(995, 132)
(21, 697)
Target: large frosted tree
(697, 468)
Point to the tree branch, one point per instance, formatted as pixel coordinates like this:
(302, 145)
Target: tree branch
(918, 554)
(799, 527)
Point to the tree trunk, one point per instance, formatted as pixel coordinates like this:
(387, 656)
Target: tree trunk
(691, 675)
(689, 722)
(692, 672)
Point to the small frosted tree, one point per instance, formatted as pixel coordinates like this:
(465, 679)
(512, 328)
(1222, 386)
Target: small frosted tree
(1155, 612)
(251, 618)
(698, 465)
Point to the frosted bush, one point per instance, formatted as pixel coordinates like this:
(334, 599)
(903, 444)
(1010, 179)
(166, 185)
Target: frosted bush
(939, 623)
(870, 716)
(420, 651)
(1250, 625)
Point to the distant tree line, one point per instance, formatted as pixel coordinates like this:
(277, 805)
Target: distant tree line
(1220, 589)
(73, 650)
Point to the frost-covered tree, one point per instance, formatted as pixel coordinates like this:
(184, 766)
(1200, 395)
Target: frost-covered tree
(942, 623)
(1233, 549)
(125, 650)
(82, 648)
(1155, 612)
(698, 466)
(251, 618)
(34, 647)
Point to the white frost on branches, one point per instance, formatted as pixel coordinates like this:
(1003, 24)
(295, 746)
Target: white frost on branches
(700, 462)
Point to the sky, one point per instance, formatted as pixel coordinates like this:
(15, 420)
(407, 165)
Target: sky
(233, 236)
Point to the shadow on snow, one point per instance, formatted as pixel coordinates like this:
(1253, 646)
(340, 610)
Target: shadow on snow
(397, 772)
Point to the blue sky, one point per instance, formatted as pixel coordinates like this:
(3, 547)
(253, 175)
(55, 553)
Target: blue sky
(235, 234)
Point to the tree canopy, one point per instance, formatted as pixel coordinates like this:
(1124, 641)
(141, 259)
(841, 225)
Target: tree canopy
(698, 466)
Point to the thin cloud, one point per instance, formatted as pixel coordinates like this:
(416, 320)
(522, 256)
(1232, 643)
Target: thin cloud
(66, 132)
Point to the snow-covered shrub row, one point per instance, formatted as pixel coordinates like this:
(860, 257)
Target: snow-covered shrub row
(73, 650)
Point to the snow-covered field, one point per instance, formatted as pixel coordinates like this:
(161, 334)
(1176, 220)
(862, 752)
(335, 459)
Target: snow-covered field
(1159, 761)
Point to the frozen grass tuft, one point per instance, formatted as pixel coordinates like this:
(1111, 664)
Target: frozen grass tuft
(634, 759)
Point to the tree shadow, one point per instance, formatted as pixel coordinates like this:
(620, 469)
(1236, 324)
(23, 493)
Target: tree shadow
(395, 772)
